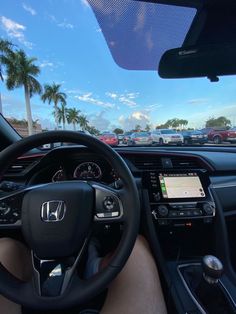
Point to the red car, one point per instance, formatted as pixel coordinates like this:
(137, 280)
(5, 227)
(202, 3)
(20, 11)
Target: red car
(109, 138)
(222, 135)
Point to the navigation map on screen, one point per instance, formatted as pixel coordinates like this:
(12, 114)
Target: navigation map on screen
(181, 185)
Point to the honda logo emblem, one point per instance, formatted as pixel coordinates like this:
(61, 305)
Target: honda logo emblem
(53, 211)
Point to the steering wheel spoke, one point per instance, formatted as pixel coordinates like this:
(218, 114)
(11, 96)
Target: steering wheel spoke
(108, 204)
(52, 277)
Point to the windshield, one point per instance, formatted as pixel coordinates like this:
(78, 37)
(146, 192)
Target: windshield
(92, 66)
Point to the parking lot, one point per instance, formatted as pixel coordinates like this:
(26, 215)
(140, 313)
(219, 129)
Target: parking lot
(224, 144)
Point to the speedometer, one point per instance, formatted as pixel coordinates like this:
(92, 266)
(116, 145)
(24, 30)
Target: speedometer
(87, 171)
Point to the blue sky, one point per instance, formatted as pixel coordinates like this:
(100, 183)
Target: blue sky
(71, 50)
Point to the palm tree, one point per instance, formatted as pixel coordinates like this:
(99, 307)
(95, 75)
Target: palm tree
(73, 117)
(83, 122)
(5, 49)
(53, 94)
(21, 71)
(62, 115)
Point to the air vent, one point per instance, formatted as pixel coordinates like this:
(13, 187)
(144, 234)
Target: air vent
(179, 162)
(20, 165)
(146, 162)
(160, 162)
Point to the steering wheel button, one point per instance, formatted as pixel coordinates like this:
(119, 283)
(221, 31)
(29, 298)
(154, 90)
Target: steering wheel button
(101, 215)
(115, 214)
(109, 203)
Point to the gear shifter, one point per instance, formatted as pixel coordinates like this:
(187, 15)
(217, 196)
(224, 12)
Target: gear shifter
(212, 269)
(203, 281)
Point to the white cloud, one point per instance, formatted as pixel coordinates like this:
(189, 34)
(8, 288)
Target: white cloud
(64, 24)
(99, 121)
(88, 97)
(112, 95)
(137, 117)
(46, 63)
(29, 9)
(127, 99)
(198, 101)
(73, 91)
(150, 108)
(15, 30)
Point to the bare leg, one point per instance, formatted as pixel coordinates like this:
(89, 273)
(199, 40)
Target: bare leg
(16, 258)
(137, 288)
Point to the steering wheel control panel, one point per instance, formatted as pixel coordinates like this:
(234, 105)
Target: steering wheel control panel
(10, 210)
(179, 197)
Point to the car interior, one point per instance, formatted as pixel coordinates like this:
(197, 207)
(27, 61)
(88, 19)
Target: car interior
(182, 199)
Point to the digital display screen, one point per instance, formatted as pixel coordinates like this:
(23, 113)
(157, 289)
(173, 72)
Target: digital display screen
(181, 185)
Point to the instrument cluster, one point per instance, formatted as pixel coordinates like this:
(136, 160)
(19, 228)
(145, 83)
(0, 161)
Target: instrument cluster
(85, 170)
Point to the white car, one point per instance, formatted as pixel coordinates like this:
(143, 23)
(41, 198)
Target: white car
(167, 136)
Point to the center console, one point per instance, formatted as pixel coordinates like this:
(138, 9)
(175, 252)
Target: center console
(183, 215)
(179, 197)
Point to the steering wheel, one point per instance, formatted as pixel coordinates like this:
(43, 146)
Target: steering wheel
(56, 221)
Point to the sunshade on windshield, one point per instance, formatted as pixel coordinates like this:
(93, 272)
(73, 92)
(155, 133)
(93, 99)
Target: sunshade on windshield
(138, 33)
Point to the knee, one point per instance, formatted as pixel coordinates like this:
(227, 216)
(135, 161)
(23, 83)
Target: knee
(7, 247)
(141, 243)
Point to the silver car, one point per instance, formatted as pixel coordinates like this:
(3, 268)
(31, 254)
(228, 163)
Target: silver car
(140, 138)
(167, 136)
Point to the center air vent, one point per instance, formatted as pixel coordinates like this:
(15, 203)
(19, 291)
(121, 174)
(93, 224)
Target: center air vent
(164, 162)
(146, 162)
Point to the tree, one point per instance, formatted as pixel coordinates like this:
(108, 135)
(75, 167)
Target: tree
(73, 117)
(5, 49)
(183, 123)
(148, 127)
(83, 122)
(92, 130)
(118, 131)
(173, 123)
(138, 128)
(218, 122)
(62, 115)
(52, 94)
(21, 71)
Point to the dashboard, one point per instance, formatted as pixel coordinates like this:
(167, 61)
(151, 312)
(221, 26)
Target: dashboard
(183, 195)
(178, 184)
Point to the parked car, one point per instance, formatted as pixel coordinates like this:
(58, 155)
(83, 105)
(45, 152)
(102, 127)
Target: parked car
(126, 137)
(195, 136)
(206, 130)
(167, 136)
(222, 135)
(109, 138)
(120, 138)
(140, 138)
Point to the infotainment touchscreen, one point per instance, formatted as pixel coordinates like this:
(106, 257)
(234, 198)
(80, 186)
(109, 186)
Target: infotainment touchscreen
(175, 185)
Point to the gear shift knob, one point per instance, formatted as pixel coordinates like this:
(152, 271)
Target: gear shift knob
(212, 269)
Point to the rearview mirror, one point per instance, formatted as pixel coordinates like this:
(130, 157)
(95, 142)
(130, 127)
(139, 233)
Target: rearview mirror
(199, 61)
